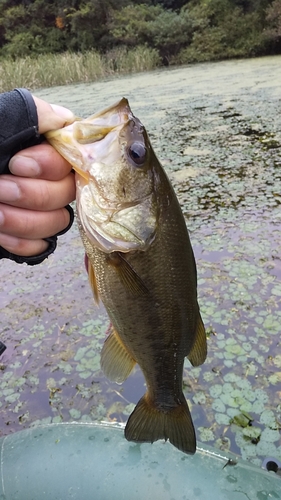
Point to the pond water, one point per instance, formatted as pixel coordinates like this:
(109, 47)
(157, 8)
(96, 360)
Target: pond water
(216, 128)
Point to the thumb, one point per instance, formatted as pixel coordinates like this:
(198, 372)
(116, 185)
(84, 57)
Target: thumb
(51, 116)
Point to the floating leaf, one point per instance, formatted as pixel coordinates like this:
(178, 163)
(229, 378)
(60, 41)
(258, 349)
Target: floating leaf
(57, 420)
(268, 418)
(12, 397)
(199, 398)
(229, 363)
(246, 407)
(277, 360)
(276, 290)
(230, 377)
(275, 378)
(86, 418)
(218, 405)
(252, 432)
(270, 435)
(128, 409)
(257, 407)
(215, 390)
(65, 367)
(80, 353)
(228, 400)
(75, 413)
(50, 383)
(222, 419)
(206, 434)
(85, 375)
(242, 420)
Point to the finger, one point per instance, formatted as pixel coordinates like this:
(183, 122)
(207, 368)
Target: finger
(42, 162)
(29, 224)
(37, 194)
(51, 117)
(21, 246)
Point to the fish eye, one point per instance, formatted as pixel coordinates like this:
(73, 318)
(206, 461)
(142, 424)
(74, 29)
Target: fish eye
(137, 153)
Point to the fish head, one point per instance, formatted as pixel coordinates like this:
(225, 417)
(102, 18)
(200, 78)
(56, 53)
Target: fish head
(116, 178)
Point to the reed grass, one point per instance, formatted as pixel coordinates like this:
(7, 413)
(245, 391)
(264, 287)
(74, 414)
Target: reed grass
(48, 70)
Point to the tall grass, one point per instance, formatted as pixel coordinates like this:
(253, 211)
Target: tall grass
(48, 70)
(142, 58)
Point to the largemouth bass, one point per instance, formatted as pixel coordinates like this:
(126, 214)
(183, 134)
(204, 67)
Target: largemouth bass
(141, 265)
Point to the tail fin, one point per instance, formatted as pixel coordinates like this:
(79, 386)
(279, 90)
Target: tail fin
(148, 424)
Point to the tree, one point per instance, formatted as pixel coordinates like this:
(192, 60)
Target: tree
(165, 30)
(207, 28)
(170, 4)
(221, 31)
(30, 28)
(273, 18)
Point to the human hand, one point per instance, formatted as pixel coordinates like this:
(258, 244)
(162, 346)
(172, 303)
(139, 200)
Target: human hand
(32, 200)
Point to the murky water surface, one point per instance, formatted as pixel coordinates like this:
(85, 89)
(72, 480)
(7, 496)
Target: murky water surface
(217, 130)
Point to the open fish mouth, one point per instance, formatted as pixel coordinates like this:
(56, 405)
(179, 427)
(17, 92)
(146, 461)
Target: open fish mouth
(115, 215)
(75, 141)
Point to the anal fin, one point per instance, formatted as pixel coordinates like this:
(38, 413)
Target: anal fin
(116, 362)
(198, 352)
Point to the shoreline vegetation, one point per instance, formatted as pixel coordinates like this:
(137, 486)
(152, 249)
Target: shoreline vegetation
(51, 70)
(49, 43)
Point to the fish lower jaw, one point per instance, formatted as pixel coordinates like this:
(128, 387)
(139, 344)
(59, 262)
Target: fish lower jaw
(107, 242)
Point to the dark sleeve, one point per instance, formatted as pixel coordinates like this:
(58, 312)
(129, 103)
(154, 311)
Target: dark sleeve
(19, 130)
(18, 125)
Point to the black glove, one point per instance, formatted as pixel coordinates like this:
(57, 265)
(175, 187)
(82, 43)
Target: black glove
(19, 130)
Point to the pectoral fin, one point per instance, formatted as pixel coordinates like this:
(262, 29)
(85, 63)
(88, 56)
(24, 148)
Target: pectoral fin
(130, 279)
(116, 362)
(93, 281)
(198, 352)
